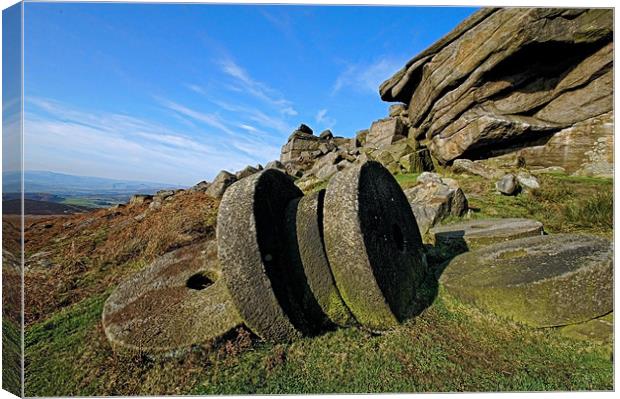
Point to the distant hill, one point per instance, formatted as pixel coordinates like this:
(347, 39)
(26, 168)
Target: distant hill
(59, 183)
(32, 207)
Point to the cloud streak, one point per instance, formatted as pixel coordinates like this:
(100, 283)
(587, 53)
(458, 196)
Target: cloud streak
(243, 82)
(324, 120)
(366, 77)
(64, 139)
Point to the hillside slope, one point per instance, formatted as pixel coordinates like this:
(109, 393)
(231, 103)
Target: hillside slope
(75, 261)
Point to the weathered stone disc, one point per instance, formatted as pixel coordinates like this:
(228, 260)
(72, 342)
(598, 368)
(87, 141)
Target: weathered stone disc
(477, 233)
(177, 302)
(373, 245)
(542, 281)
(256, 262)
(305, 217)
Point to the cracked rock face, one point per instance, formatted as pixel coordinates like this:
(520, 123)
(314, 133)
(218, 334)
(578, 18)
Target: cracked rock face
(542, 281)
(510, 79)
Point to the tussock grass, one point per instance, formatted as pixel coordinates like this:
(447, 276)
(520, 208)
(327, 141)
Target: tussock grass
(94, 251)
(596, 211)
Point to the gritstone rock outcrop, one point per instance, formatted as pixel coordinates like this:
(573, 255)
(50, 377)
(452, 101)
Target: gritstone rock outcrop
(533, 83)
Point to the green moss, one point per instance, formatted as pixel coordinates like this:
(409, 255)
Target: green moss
(337, 310)
(518, 253)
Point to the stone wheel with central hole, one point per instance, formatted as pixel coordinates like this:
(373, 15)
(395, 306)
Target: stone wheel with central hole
(305, 217)
(256, 262)
(177, 302)
(374, 246)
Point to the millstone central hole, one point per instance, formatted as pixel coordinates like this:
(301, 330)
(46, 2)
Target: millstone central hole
(198, 281)
(397, 236)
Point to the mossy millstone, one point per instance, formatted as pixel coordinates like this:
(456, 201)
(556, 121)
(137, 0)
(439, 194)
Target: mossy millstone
(478, 233)
(308, 227)
(373, 245)
(256, 264)
(177, 302)
(542, 281)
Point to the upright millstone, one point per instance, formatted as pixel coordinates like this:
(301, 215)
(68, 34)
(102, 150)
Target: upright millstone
(256, 261)
(374, 246)
(305, 219)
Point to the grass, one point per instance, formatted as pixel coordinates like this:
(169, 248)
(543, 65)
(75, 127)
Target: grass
(407, 180)
(11, 357)
(87, 202)
(564, 204)
(450, 347)
(93, 251)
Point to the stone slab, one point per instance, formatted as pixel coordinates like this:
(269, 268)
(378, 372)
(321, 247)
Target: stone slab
(474, 234)
(176, 303)
(543, 281)
(373, 246)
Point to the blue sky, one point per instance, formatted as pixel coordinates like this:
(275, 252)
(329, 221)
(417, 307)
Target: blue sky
(174, 93)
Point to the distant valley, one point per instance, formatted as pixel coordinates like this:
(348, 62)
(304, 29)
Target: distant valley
(49, 193)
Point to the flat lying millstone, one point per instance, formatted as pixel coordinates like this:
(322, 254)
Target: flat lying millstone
(478, 233)
(306, 218)
(256, 263)
(374, 246)
(542, 281)
(176, 303)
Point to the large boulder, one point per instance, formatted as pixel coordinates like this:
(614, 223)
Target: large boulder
(543, 281)
(247, 171)
(417, 161)
(507, 185)
(531, 81)
(475, 168)
(299, 144)
(222, 181)
(385, 132)
(138, 199)
(434, 199)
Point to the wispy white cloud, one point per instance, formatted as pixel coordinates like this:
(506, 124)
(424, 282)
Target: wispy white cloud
(324, 120)
(65, 139)
(269, 123)
(210, 119)
(366, 77)
(243, 82)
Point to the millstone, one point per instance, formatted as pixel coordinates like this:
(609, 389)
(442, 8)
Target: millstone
(305, 217)
(542, 281)
(177, 302)
(256, 262)
(477, 233)
(374, 246)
